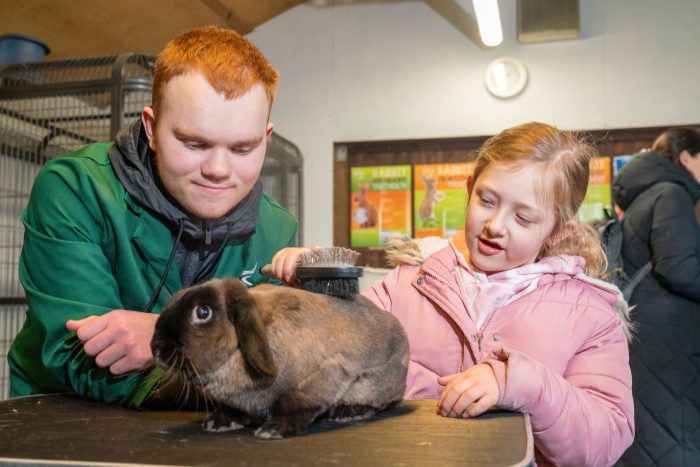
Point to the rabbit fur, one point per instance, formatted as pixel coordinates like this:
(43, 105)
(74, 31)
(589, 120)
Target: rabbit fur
(277, 358)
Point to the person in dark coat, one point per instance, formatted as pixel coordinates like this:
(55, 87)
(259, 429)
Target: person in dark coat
(658, 191)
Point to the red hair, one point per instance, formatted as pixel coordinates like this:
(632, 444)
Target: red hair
(230, 63)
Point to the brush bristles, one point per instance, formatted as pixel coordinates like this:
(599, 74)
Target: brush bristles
(329, 256)
(330, 271)
(341, 288)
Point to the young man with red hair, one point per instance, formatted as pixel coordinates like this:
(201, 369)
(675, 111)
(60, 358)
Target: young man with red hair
(112, 230)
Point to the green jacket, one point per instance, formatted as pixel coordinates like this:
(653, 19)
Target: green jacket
(89, 248)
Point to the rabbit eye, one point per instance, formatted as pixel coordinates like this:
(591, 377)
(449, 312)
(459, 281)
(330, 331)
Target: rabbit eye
(201, 314)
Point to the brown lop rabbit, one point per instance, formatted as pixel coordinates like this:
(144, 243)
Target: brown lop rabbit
(277, 358)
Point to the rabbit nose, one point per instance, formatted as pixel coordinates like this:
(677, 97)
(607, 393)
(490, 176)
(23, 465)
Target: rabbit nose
(199, 379)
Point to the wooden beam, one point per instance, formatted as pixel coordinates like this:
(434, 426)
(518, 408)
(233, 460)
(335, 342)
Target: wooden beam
(229, 16)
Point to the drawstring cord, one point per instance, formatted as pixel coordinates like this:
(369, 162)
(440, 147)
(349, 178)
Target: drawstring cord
(219, 249)
(156, 292)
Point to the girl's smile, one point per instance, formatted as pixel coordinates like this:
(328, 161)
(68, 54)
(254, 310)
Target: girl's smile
(507, 226)
(488, 247)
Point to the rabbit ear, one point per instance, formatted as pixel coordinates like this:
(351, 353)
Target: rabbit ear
(252, 341)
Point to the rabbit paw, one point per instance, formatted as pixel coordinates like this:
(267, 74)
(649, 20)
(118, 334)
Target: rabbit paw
(268, 432)
(350, 413)
(219, 421)
(284, 426)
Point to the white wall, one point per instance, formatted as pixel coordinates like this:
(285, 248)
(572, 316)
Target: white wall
(374, 70)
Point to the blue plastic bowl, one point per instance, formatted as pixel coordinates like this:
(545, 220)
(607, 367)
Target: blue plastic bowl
(16, 48)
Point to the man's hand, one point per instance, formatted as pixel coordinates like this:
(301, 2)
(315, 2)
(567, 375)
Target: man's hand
(120, 339)
(469, 393)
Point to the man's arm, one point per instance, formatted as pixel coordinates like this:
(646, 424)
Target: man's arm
(66, 276)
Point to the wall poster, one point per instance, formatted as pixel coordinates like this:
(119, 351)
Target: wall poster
(619, 161)
(380, 205)
(440, 199)
(598, 196)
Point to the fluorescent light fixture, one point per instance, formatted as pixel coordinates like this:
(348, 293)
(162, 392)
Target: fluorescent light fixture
(489, 20)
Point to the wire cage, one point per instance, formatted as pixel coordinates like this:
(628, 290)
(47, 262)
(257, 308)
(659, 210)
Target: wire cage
(281, 175)
(51, 108)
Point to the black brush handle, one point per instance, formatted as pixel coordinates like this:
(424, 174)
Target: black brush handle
(325, 272)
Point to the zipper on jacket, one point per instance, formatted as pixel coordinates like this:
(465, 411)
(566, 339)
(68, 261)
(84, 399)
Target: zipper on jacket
(479, 337)
(465, 337)
(207, 235)
(480, 334)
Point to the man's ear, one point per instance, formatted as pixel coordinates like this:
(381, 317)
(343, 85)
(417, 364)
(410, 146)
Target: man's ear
(268, 132)
(148, 118)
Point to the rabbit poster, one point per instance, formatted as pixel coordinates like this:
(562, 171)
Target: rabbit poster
(440, 198)
(380, 205)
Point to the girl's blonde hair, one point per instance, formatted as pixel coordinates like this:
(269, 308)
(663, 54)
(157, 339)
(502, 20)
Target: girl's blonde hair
(563, 161)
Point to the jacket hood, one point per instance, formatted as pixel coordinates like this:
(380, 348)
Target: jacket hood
(413, 251)
(419, 251)
(133, 163)
(647, 169)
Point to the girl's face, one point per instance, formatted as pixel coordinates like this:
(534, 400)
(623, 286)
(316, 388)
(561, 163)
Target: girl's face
(506, 225)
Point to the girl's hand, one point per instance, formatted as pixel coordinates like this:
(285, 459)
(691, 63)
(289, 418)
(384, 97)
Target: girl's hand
(469, 393)
(284, 262)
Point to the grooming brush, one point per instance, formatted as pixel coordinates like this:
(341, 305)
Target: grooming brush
(329, 271)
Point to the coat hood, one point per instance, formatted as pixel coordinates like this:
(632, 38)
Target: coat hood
(419, 251)
(134, 164)
(646, 169)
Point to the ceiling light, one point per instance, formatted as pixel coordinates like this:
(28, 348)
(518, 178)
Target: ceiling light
(489, 20)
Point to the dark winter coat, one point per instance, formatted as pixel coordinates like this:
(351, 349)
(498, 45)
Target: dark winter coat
(659, 224)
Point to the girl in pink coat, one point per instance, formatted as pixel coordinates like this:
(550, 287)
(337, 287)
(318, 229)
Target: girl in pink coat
(512, 318)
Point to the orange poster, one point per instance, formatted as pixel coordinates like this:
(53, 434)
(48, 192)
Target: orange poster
(598, 196)
(380, 205)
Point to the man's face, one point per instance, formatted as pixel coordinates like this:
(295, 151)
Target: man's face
(209, 150)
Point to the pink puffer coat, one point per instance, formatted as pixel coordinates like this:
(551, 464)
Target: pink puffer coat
(559, 354)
